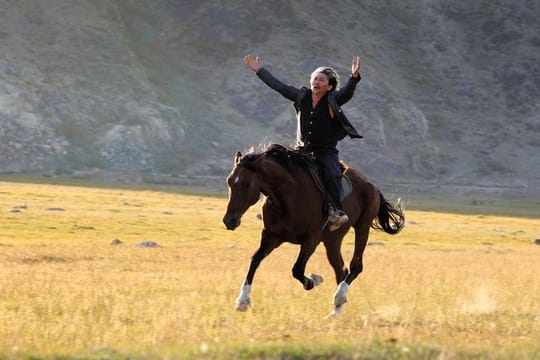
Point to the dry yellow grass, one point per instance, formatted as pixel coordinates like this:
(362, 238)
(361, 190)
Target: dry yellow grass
(448, 286)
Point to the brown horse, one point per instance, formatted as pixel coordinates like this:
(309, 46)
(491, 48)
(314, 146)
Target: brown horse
(294, 211)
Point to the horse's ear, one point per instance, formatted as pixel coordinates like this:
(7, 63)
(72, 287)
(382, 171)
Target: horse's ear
(237, 157)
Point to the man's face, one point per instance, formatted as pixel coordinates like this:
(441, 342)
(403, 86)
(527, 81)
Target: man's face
(319, 84)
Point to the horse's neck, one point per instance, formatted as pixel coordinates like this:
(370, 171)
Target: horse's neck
(278, 191)
(291, 193)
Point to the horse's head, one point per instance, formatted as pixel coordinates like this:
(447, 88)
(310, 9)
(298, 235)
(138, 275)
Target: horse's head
(244, 191)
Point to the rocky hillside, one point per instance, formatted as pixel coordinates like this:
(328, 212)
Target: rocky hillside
(450, 91)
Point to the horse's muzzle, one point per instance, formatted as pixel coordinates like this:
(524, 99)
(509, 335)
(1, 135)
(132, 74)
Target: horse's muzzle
(231, 221)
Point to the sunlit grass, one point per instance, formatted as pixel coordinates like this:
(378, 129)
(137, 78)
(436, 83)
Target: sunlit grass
(449, 285)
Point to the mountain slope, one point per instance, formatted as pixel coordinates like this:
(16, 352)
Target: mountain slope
(449, 94)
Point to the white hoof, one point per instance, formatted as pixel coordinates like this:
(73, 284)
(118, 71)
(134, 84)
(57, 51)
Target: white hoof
(317, 279)
(336, 312)
(243, 301)
(243, 305)
(340, 296)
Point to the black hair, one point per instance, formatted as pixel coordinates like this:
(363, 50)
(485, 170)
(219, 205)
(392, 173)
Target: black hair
(331, 75)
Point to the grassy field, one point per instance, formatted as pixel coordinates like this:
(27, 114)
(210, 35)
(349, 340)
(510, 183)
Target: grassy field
(448, 287)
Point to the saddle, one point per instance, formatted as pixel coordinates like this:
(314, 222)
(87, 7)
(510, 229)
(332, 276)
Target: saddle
(316, 175)
(287, 157)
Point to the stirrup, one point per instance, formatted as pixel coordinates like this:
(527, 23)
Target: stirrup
(337, 218)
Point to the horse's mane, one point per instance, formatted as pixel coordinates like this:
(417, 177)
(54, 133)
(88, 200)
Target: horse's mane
(290, 159)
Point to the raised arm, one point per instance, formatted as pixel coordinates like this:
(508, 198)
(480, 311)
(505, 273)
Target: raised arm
(287, 91)
(345, 93)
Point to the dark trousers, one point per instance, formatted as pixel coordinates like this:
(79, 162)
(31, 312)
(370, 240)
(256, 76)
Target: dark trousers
(331, 174)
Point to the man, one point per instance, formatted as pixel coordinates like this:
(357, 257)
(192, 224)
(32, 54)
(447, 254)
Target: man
(321, 122)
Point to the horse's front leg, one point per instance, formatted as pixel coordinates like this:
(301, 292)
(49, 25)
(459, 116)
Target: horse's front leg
(269, 242)
(306, 250)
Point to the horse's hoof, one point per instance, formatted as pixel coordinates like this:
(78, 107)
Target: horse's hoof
(339, 300)
(243, 306)
(317, 279)
(340, 296)
(311, 281)
(308, 284)
(336, 312)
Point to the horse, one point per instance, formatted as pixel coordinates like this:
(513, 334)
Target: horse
(294, 211)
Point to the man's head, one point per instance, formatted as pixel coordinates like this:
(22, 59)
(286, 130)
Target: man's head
(331, 75)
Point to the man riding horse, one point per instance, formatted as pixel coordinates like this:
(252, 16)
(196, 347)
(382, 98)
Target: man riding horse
(321, 123)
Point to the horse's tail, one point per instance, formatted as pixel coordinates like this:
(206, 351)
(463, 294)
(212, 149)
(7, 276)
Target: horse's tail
(390, 218)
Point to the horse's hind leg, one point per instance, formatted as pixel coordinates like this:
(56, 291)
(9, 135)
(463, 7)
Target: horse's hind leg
(268, 243)
(360, 241)
(356, 267)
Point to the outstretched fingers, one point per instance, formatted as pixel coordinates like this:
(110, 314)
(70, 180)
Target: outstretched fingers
(355, 68)
(253, 63)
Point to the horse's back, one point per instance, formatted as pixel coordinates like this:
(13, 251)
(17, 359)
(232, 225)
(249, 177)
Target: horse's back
(358, 179)
(365, 195)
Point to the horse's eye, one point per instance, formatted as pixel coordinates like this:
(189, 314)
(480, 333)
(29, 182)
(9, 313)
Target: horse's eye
(233, 181)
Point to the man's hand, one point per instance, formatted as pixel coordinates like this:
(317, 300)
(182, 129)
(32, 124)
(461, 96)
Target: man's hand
(253, 64)
(355, 68)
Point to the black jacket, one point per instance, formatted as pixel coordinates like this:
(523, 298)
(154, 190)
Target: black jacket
(335, 98)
